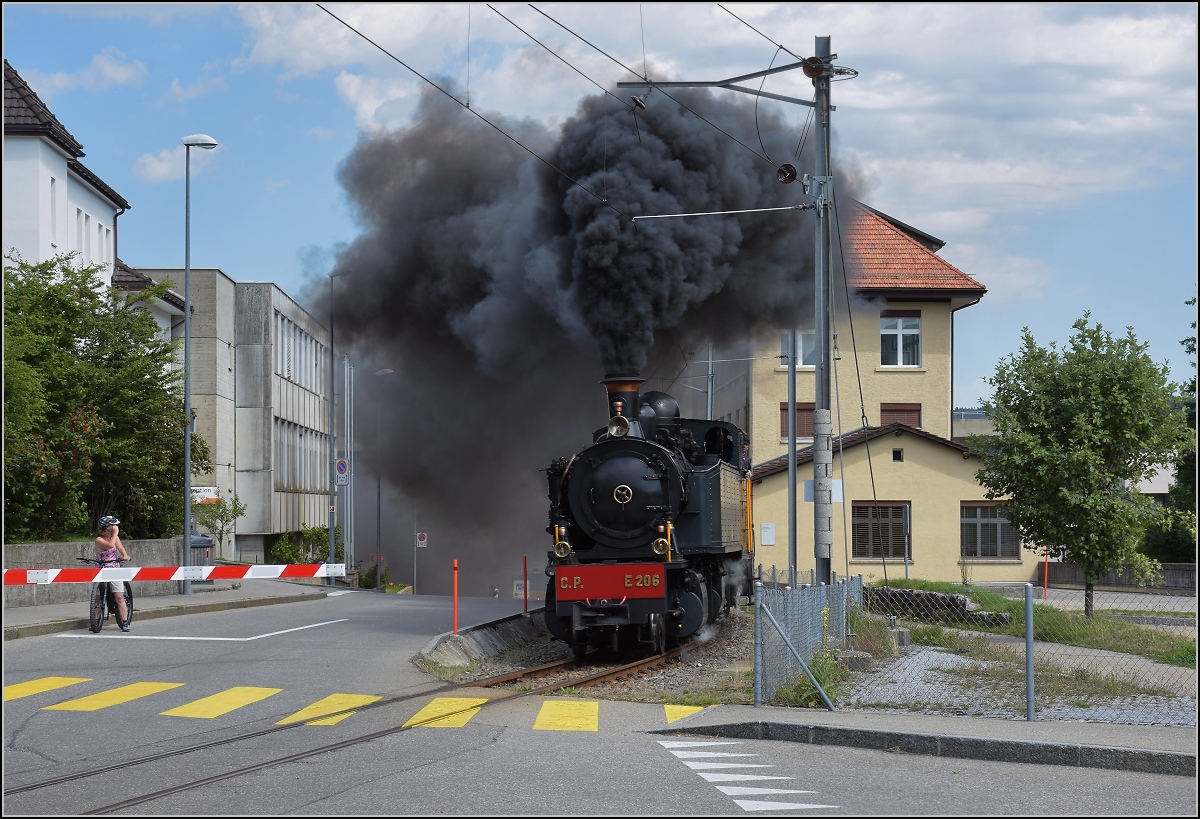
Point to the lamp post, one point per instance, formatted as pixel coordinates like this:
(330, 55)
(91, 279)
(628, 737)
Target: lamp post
(378, 485)
(332, 436)
(208, 143)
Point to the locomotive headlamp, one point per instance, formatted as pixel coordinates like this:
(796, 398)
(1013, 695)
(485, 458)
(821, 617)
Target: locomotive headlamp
(618, 426)
(562, 549)
(659, 546)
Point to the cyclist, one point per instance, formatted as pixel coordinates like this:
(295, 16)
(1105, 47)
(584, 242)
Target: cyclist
(108, 547)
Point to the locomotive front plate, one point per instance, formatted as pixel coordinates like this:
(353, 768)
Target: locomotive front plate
(609, 581)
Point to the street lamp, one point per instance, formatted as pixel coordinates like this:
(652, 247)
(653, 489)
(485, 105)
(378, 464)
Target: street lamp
(378, 484)
(332, 435)
(208, 143)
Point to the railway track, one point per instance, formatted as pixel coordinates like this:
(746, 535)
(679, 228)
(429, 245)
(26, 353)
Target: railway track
(545, 679)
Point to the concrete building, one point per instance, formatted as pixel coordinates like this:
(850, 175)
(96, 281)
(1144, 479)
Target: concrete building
(52, 203)
(260, 385)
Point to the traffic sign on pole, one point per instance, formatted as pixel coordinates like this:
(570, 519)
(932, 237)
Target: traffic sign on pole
(343, 472)
(422, 539)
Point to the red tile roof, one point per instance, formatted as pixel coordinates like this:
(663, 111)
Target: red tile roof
(885, 255)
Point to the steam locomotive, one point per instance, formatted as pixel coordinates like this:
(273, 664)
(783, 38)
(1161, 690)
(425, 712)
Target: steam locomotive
(650, 526)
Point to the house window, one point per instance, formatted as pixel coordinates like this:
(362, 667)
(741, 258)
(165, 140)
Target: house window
(909, 414)
(880, 530)
(986, 533)
(806, 343)
(804, 420)
(900, 338)
(898, 456)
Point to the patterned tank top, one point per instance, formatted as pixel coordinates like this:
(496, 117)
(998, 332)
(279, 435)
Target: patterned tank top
(109, 557)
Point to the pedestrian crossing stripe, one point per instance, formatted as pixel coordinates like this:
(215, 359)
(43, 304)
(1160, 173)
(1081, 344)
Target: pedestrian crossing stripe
(40, 686)
(217, 705)
(333, 704)
(678, 712)
(114, 696)
(568, 715)
(441, 712)
(446, 712)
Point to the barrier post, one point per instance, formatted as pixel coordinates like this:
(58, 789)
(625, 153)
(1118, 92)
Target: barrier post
(525, 580)
(456, 597)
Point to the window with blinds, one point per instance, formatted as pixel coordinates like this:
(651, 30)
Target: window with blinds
(909, 414)
(804, 419)
(986, 533)
(880, 531)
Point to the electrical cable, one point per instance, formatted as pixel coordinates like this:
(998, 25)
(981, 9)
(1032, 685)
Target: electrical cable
(661, 90)
(858, 374)
(500, 130)
(603, 90)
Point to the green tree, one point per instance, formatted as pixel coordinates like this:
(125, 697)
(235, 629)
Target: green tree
(1172, 538)
(315, 540)
(93, 416)
(219, 517)
(1075, 430)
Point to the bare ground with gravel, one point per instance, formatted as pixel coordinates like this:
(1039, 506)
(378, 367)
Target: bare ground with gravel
(716, 669)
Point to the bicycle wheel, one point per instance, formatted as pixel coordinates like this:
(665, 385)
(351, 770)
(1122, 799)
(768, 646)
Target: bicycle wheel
(128, 603)
(99, 612)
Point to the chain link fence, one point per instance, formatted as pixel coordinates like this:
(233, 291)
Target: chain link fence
(942, 648)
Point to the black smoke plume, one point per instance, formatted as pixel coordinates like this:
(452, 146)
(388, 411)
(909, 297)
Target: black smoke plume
(501, 292)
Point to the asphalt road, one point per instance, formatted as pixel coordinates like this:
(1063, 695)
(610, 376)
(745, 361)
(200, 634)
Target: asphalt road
(233, 672)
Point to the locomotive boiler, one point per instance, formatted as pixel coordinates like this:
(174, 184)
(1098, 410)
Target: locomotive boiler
(649, 524)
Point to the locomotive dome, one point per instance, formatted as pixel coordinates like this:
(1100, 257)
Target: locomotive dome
(665, 407)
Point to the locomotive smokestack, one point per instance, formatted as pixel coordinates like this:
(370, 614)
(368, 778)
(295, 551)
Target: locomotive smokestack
(624, 394)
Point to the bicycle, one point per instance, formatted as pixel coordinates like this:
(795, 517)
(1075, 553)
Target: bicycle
(103, 603)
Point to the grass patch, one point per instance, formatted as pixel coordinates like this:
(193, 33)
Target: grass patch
(1050, 624)
(445, 673)
(870, 634)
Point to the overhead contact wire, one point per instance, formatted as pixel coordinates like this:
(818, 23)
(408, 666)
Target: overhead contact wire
(497, 128)
(661, 90)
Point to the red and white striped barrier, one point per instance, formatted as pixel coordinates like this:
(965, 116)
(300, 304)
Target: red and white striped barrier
(24, 577)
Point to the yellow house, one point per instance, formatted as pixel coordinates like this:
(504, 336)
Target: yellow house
(904, 480)
(909, 506)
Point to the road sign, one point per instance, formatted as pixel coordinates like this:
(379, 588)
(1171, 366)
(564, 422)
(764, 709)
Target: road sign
(422, 539)
(518, 590)
(343, 472)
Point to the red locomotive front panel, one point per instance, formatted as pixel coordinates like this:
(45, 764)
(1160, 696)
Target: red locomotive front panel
(610, 581)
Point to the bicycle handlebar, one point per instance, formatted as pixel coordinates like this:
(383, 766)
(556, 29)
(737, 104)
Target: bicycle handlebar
(102, 562)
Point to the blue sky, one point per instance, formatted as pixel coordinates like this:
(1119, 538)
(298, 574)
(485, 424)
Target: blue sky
(1052, 146)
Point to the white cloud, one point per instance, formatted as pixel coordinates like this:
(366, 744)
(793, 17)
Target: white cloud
(200, 88)
(274, 185)
(367, 95)
(108, 69)
(168, 164)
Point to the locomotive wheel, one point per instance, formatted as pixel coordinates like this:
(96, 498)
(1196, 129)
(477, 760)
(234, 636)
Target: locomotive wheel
(658, 634)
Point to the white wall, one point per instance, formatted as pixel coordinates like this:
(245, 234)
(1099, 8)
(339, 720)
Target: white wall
(48, 210)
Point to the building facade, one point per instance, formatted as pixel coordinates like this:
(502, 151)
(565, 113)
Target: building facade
(906, 499)
(52, 203)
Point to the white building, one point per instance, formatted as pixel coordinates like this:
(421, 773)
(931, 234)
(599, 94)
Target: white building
(52, 203)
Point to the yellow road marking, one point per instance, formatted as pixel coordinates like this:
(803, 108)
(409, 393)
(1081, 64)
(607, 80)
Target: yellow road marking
(39, 686)
(114, 696)
(568, 715)
(217, 705)
(447, 712)
(330, 705)
(676, 712)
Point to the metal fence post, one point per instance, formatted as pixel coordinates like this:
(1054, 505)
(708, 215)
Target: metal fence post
(1029, 710)
(758, 643)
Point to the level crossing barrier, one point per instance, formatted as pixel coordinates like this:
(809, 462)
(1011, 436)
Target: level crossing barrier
(133, 574)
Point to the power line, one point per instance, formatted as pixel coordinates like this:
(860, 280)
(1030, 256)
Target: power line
(500, 130)
(564, 62)
(673, 99)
